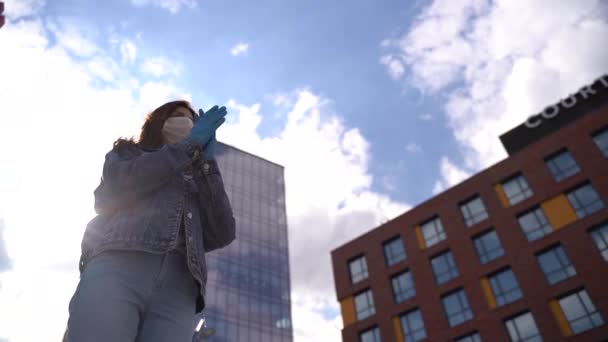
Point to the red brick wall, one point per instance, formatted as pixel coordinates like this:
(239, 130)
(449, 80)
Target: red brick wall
(520, 254)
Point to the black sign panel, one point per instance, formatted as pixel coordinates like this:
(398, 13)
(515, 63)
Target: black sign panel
(586, 100)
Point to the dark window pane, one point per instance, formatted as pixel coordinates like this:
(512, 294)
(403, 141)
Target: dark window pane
(534, 224)
(601, 140)
(580, 312)
(505, 287)
(488, 247)
(556, 265)
(403, 287)
(394, 252)
(412, 326)
(358, 269)
(523, 329)
(516, 189)
(474, 211)
(433, 232)
(457, 308)
(364, 305)
(444, 267)
(600, 237)
(585, 200)
(562, 166)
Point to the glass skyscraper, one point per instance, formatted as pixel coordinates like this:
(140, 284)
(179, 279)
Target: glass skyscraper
(248, 287)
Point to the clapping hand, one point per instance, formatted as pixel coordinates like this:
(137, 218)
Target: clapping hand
(205, 125)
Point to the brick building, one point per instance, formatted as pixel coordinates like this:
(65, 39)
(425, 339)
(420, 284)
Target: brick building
(518, 252)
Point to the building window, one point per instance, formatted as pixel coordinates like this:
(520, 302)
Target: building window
(488, 247)
(433, 232)
(444, 267)
(523, 329)
(403, 287)
(474, 337)
(600, 236)
(394, 251)
(413, 326)
(358, 269)
(473, 211)
(562, 165)
(585, 200)
(505, 287)
(580, 312)
(534, 224)
(556, 265)
(457, 308)
(517, 189)
(364, 304)
(371, 335)
(601, 140)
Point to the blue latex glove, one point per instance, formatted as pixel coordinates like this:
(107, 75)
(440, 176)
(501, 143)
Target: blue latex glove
(209, 149)
(206, 124)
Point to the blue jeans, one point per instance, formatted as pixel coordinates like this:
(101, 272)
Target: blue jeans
(131, 296)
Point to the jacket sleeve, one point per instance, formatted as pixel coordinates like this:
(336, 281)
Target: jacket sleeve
(129, 175)
(148, 170)
(220, 230)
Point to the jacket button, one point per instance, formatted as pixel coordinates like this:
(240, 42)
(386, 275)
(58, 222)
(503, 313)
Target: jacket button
(189, 215)
(206, 167)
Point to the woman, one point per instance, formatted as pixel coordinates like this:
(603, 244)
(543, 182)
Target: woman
(161, 206)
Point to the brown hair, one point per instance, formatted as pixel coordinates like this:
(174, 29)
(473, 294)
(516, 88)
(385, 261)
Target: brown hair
(151, 131)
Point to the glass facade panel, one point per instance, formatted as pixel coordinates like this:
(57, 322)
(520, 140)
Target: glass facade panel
(523, 329)
(394, 252)
(444, 267)
(248, 285)
(433, 232)
(601, 140)
(412, 326)
(403, 287)
(488, 247)
(473, 211)
(580, 312)
(364, 305)
(457, 308)
(600, 237)
(358, 269)
(534, 224)
(562, 165)
(516, 189)
(505, 287)
(371, 335)
(585, 200)
(556, 265)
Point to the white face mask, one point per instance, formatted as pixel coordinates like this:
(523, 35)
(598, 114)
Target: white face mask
(176, 129)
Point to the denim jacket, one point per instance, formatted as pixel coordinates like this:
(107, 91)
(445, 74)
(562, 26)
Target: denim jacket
(143, 198)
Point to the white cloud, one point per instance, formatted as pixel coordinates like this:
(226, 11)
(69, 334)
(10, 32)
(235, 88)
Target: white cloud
(172, 6)
(413, 147)
(240, 49)
(128, 51)
(493, 78)
(160, 67)
(426, 117)
(16, 9)
(70, 35)
(451, 175)
(394, 66)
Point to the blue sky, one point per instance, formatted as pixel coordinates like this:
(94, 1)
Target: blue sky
(371, 106)
(329, 47)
